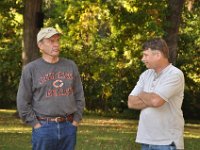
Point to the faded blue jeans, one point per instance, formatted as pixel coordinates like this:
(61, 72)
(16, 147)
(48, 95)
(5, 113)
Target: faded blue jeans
(158, 147)
(54, 136)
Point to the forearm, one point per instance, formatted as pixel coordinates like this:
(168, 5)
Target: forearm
(80, 100)
(151, 99)
(134, 102)
(25, 109)
(80, 104)
(27, 115)
(24, 99)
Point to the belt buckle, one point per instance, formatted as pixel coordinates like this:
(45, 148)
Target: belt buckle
(57, 118)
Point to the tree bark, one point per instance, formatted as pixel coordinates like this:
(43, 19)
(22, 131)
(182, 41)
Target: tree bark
(174, 18)
(31, 27)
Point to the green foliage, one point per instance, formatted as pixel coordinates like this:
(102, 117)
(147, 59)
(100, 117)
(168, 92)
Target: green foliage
(188, 60)
(104, 38)
(9, 72)
(10, 51)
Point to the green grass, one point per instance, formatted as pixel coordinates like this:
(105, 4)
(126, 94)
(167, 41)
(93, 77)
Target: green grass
(94, 133)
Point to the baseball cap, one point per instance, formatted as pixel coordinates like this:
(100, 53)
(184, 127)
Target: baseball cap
(46, 33)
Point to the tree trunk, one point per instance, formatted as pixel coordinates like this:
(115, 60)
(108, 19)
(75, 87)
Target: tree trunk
(32, 24)
(173, 17)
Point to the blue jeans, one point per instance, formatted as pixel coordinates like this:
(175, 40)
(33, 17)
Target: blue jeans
(158, 147)
(54, 136)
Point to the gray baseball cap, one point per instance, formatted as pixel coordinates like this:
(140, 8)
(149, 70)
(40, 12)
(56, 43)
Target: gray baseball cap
(46, 33)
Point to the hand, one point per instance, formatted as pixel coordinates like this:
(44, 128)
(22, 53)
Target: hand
(74, 123)
(38, 125)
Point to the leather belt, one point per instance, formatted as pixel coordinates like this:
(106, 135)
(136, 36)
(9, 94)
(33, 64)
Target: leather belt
(57, 119)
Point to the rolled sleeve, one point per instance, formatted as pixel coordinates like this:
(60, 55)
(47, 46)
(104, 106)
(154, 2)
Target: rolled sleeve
(139, 86)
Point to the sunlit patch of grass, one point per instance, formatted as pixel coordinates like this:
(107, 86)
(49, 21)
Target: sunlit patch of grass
(14, 130)
(189, 135)
(192, 131)
(11, 124)
(8, 111)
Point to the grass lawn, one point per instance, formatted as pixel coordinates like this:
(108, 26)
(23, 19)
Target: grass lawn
(94, 133)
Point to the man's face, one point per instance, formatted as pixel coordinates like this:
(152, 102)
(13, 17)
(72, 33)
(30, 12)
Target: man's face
(50, 47)
(151, 58)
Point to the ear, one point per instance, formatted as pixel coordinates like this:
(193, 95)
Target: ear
(159, 54)
(161, 57)
(40, 45)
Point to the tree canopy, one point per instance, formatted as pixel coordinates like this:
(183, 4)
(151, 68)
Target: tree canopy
(104, 38)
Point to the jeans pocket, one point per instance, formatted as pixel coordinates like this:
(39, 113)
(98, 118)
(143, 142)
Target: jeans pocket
(42, 123)
(73, 125)
(70, 128)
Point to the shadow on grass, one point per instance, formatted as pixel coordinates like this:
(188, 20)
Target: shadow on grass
(15, 141)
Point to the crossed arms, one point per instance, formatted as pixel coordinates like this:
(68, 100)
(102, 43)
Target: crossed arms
(144, 100)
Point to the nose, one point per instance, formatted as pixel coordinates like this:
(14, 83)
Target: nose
(142, 59)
